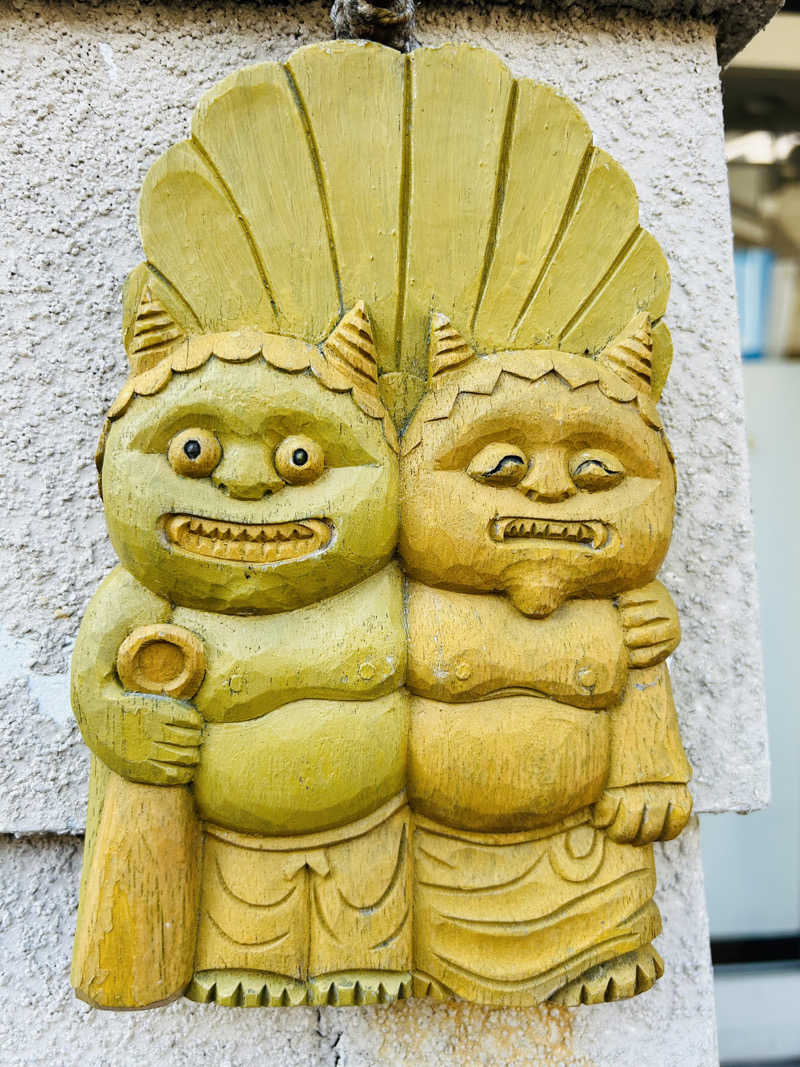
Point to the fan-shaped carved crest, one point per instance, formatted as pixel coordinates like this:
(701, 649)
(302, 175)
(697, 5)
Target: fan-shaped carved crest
(506, 218)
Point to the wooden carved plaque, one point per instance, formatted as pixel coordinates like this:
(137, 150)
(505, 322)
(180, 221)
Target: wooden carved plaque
(377, 697)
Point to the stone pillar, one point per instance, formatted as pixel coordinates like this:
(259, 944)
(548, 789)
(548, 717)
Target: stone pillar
(93, 95)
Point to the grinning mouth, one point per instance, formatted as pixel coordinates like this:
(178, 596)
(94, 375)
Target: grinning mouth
(234, 542)
(511, 528)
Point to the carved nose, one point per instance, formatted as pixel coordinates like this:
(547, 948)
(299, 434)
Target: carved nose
(548, 481)
(247, 473)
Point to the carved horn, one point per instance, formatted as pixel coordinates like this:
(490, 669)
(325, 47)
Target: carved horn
(155, 332)
(630, 354)
(447, 348)
(350, 349)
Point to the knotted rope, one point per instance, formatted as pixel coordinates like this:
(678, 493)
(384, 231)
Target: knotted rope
(391, 23)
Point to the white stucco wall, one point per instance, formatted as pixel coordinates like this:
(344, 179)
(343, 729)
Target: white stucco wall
(91, 96)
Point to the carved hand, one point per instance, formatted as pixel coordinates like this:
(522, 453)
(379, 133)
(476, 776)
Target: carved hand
(641, 814)
(650, 624)
(145, 738)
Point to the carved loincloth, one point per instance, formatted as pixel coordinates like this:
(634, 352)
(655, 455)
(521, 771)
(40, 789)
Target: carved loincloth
(510, 918)
(309, 904)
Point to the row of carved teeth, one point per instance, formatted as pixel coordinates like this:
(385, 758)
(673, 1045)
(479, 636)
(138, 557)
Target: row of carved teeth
(247, 543)
(588, 533)
(239, 551)
(233, 531)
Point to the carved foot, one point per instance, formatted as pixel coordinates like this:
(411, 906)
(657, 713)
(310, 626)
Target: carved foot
(347, 988)
(618, 979)
(246, 989)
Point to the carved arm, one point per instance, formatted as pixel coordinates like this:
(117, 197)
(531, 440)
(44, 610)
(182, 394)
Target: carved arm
(645, 798)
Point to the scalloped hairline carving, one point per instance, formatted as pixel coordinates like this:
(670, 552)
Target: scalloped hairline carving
(485, 372)
(288, 354)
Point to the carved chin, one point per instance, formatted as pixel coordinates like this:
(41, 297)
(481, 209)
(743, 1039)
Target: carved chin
(250, 543)
(532, 595)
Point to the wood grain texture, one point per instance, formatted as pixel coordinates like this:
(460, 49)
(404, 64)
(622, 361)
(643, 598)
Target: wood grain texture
(134, 944)
(376, 718)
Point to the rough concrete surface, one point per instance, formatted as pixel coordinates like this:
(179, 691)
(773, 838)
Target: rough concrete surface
(736, 21)
(42, 1023)
(92, 94)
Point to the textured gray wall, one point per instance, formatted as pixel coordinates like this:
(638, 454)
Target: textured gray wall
(91, 95)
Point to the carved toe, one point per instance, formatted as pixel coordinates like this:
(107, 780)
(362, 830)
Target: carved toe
(426, 986)
(353, 988)
(246, 989)
(617, 979)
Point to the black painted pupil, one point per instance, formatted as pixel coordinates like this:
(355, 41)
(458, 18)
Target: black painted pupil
(192, 449)
(299, 457)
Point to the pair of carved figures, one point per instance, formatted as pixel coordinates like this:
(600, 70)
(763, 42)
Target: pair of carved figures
(377, 696)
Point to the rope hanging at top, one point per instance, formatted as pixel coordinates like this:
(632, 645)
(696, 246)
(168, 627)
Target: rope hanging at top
(391, 23)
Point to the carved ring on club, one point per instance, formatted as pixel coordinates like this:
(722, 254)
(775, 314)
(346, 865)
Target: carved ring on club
(162, 659)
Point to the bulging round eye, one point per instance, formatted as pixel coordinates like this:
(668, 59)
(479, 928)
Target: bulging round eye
(194, 453)
(299, 460)
(595, 471)
(498, 464)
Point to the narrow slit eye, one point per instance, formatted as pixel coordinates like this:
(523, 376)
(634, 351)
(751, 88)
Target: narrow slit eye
(498, 464)
(595, 471)
(299, 460)
(194, 453)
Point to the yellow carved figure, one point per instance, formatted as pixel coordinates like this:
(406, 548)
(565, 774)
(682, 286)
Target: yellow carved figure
(254, 509)
(537, 496)
(317, 778)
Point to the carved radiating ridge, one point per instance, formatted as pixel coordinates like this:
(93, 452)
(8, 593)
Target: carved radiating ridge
(350, 349)
(155, 332)
(630, 355)
(446, 348)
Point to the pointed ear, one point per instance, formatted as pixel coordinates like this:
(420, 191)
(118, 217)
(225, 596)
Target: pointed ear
(630, 355)
(350, 349)
(447, 348)
(151, 334)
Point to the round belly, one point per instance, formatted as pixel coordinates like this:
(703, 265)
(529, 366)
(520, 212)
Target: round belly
(511, 763)
(307, 766)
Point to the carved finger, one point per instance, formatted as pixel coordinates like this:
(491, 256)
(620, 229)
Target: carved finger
(167, 773)
(184, 715)
(654, 632)
(651, 825)
(662, 633)
(605, 810)
(652, 593)
(167, 753)
(176, 735)
(634, 615)
(675, 820)
(626, 825)
(652, 654)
